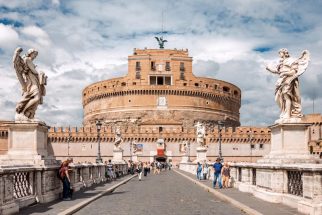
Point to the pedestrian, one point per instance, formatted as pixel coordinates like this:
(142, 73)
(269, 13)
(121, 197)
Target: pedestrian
(139, 170)
(199, 170)
(225, 172)
(145, 169)
(63, 172)
(110, 174)
(205, 171)
(217, 173)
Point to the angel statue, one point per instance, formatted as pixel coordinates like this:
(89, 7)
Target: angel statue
(287, 91)
(200, 134)
(32, 83)
(161, 42)
(118, 139)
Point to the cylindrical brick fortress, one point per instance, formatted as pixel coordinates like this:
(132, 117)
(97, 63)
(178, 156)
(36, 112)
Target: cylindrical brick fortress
(160, 86)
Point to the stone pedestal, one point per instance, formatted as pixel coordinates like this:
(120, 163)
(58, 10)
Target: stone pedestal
(27, 145)
(118, 156)
(184, 159)
(289, 144)
(201, 154)
(135, 158)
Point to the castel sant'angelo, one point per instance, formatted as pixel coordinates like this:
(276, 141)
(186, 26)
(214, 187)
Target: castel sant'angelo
(154, 110)
(156, 106)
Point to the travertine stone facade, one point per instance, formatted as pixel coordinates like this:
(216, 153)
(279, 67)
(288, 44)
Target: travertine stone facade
(238, 145)
(160, 85)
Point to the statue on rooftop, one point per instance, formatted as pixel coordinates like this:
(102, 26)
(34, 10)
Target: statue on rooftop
(287, 91)
(161, 42)
(32, 83)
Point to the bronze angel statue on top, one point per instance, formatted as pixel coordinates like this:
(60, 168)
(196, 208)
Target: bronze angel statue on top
(287, 91)
(32, 83)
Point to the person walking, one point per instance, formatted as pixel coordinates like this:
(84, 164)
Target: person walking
(110, 173)
(199, 170)
(139, 170)
(205, 171)
(225, 172)
(145, 169)
(63, 172)
(217, 173)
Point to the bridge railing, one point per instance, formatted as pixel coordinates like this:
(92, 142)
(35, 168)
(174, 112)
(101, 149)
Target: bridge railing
(23, 186)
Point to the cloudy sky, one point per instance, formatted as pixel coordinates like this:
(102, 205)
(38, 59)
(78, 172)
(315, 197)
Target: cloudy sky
(81, 42)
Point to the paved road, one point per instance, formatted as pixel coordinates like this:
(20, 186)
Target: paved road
(167, 193)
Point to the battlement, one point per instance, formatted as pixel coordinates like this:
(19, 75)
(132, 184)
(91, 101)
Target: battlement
(175, 134)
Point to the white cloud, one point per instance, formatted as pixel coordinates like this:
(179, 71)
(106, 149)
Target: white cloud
(81, 42)
(8, 37)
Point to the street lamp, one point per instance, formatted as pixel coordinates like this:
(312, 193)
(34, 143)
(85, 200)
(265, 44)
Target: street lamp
(131, 145)
(188, 151)
(98, 127)
(220, 126)
(250, 138)
(68, 140)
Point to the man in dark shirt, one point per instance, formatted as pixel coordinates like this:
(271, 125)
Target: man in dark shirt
(217, 173)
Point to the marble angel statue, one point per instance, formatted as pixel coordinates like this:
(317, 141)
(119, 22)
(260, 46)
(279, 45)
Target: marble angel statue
(200, 134)
(32, 83)
(287, 91)
(118, 139)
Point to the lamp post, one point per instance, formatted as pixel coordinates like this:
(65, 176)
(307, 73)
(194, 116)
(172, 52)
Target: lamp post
(131, 145)
(220, 126)
(188, 151)
(98, 127)
(68, 140)
(250, 138)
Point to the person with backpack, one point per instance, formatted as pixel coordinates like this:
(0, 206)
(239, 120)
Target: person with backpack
(63, 173)
(217, 173)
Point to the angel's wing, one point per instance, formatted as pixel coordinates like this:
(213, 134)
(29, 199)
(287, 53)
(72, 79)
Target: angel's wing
(157, 38)
(300, 65)
(19, 66)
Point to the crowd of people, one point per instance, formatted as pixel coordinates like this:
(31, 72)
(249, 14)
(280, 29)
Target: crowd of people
(221, 173)
(147, 167)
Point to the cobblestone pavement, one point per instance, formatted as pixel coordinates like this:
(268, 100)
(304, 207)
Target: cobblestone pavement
(58, 206)
(167, 193)
(251, 201)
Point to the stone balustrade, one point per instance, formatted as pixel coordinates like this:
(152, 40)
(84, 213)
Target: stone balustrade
(23, 186)
(296, 185)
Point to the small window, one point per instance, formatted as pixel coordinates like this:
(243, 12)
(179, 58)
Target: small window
(160, 80)
(182, 66)
(196, 84)
(261, 146)
(167, 80)
(160, 129)
(216, 87)
(129, 100)
(252, 146)
(153, 80)
(153, 65)
(167, 66)
(137, 66)
(138, 75)
(235, 93)
(134, 83)
(123, 84)
(226, 89)
(184, 84)
(206, 85)
(84, 94)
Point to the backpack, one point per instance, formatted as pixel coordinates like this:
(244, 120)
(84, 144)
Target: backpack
(58, 174)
